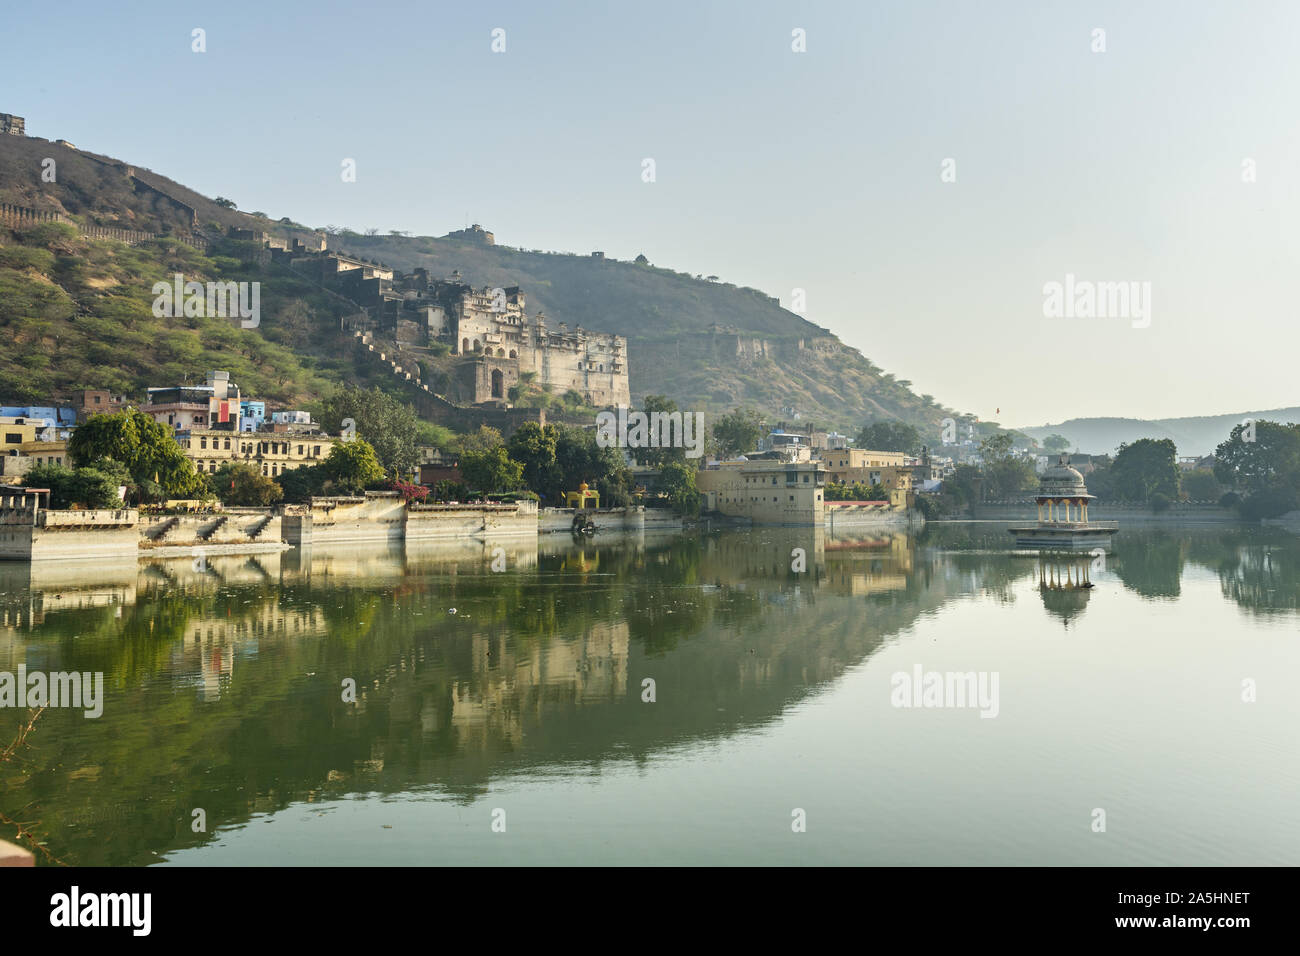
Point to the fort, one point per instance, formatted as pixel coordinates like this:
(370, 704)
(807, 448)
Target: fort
(497, 343)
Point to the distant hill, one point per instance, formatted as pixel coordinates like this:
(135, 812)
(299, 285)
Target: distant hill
(708, 345)
(1198, 435)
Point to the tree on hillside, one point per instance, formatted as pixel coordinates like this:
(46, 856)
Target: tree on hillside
(736, 432)
(387, 424)
(147, 448)
(894, 436)
(1055, 444)
(483, 438)
(1145, 468)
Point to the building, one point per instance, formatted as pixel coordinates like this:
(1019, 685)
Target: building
(863, 466)
(251, 415)
(1063, 523)
(492, 327)
(766, 492)
(96, 401)
(47, 415)
(272, 454)
(12, 125)
(183, 407)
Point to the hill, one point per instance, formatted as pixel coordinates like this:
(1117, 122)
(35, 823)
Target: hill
(706, 344)
(1197, 435)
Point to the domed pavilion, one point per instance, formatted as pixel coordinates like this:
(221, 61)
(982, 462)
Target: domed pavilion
(1063, 523)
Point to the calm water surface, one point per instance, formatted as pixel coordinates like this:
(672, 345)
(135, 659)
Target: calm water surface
(772, 694)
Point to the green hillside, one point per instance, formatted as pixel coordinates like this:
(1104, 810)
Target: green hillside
(76, 312)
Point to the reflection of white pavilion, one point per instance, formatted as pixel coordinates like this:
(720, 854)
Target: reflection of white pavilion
(1063, 514)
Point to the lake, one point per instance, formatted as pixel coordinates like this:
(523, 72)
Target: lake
(725, 698)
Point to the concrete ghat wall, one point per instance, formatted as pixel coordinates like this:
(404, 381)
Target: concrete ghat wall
(426, 522)
(252, 526)
(555, 520)
(356, 519)
(844, 519)
(68, 535)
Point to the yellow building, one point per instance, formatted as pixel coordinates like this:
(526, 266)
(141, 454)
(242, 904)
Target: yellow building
(851, 465)
(15, 432)
(766, 492)
(273, 452)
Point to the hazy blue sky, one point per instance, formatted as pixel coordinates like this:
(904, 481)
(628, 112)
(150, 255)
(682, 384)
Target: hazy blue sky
(780, 170)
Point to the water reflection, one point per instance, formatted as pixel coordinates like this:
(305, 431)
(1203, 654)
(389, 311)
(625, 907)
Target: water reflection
(224, 676)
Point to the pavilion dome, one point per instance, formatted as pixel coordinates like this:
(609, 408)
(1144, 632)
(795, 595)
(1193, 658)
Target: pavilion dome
(1062, 481)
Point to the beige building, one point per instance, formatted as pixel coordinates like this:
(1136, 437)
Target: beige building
(494, 324)
(854, 464)
(766, 492)
(273, 453)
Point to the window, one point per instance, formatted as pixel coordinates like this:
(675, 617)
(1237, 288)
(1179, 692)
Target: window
(203, 442)
(315, 451)
(300, 450)
(227, 444)
(13, 438)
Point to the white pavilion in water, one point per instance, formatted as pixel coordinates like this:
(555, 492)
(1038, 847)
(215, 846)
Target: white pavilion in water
(1063, 523)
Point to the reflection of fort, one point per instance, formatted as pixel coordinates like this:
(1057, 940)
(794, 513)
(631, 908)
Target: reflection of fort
(508, 684)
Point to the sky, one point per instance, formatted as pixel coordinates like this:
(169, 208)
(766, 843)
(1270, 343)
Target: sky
(923, 171)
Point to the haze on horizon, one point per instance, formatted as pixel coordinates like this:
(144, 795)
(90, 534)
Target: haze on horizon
(818, 170)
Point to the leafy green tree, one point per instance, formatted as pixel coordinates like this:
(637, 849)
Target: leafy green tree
(147, 448)
(533, 446)
(1055, 444)
(658, 457)
(1270, 461)
(736, 432)
(448, 490)
(678, 482)
(578, 458)
(83, 487)
(390, 426)
(1004, 473)
(239, 483)
(299, 484)
(1146, 467)
(1198, 485)
(892, 435)
(353, 466)
(491, 471)
(481, 439)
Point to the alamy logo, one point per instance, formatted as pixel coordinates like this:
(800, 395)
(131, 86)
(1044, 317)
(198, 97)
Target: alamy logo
(656, 430)
(1084, 299)
(56, 689)
(72, 909)
(945, 689)
(215, 300)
